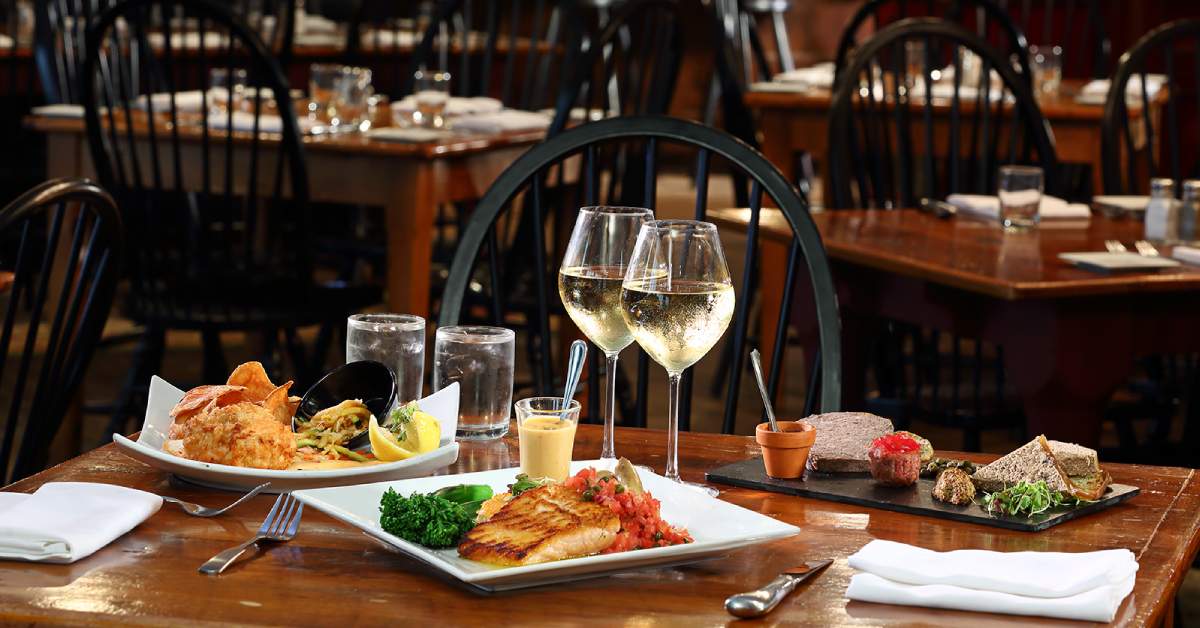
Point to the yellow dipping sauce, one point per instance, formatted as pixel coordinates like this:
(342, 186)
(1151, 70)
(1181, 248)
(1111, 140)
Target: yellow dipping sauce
(546, 443)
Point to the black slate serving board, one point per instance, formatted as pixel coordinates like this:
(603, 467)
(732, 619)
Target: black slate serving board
(860, 489)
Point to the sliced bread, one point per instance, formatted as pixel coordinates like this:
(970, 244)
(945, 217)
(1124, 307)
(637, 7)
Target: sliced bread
(1076, 460)
(1038, 460)
(843, 439)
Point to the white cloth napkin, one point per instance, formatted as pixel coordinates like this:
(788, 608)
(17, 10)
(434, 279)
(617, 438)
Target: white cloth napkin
(6, 41)
(65, 521)
(501, 121)
(189, 40)
(390, 38)
(59, 111)
(989, 206)
(1095, 92)
(185, 102)
(1187, 254)
(406, 134)
(819, 76)
(244, 121)
(1099, 604)
(1086, 586)
(455, 106)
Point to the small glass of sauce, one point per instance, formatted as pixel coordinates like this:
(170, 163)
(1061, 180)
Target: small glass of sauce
(546, 436)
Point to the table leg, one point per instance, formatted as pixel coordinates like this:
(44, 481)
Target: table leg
(1065, 361)
(410, 211)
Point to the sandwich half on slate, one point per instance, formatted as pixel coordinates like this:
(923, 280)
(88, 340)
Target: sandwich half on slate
(1064, 467)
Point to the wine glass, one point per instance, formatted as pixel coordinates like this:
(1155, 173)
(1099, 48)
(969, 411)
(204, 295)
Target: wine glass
(677, 299)
(589, 283)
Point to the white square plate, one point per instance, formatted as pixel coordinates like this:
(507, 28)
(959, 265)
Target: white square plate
(443, 405)
(1104, 261)
(716, 526)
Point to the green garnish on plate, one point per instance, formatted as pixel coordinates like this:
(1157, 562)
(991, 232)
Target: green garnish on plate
(1028, 499)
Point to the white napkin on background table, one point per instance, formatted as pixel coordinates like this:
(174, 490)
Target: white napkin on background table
(59, 111)
(244, 121)
(406, 134)
(1095, 92)
(819, 75)
(63, 522)
(989, 206)
(455, 106)
(501, 121)
(1186, 254)
(1086, 586)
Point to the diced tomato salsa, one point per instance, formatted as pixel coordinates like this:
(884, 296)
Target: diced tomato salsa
(642, 526)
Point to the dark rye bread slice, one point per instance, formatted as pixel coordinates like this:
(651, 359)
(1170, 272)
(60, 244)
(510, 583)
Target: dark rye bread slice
(843, 439)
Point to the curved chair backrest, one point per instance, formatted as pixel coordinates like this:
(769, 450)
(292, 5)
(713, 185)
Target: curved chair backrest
(1075, 25)
(713, 150)
(61, 32)
(1136, 144)
(991, 23)
(630, 68)
(891, 146)
(64, 274)
(219, 216)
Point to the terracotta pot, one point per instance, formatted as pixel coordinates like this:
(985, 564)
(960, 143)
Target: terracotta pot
(785, 452)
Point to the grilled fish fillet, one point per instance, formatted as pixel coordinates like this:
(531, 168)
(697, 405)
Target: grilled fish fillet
(543, 524)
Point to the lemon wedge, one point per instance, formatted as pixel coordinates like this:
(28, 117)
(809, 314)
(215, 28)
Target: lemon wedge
(422, 434)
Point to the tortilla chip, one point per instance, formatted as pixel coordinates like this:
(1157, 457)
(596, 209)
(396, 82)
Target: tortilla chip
(278, 404)
(254, 377)
(196, 399)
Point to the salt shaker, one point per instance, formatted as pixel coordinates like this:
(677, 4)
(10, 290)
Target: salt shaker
(1162, 212)
(1189, 209)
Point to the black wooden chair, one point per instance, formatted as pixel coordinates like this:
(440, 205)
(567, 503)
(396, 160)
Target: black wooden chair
(1135, 145)
(66, 266)
(481, 251)
(221, 218)
(1087, 49)
(889, 149)
(985, 18)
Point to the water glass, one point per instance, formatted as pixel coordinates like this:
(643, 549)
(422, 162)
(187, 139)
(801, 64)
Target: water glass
(223, 92)
(339, 97)
(431, 90)
(1020, 193)
(481, 360)
(1046, 64)
(397, 340)
(546, 436)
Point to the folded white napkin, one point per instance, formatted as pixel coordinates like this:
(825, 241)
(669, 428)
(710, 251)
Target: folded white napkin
(1186, 254)
(501, 121)
(1127, 203)
(244, 121)
(189, 40)
(779, 86)
(1096, 91)
(313, 23)
(59, 111)
(65, 521)
(819, 75)
(989, 206)
(406, 134)
(944, 89)
(455, 106)
(191, 101)
(1085, 586)
(1099, 604)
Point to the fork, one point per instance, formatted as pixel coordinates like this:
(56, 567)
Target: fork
(279, 526)
(196, 510)
(1146, 249)
(1114, 246)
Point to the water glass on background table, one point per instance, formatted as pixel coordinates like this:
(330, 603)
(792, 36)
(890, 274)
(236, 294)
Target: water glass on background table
(397, 340)
(224, 93)
(546, 436)
(431, 90)
(1045, 62)
(481, 360)
(1020, 194)
(339, 97)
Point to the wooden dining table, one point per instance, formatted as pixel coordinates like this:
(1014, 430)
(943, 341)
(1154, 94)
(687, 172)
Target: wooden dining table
(1070, 336)
(409, 180)
(334, 574)
(795, 121)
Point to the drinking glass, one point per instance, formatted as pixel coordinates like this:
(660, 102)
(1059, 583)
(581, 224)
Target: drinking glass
(1046, 64)
(480, 359)
(224, 93)
(397, 340)
(354, 96)
(677, 299)
(589, 284)
(339, 97)
(431, 90)
(1020, 194)
(546, 436)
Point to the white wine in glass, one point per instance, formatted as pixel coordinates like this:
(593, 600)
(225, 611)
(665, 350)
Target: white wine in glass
(677, 299)
(589, 283)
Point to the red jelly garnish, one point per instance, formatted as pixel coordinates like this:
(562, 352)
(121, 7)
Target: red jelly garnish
(894, 444)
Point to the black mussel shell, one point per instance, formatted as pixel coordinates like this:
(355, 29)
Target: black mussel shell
(372, 382)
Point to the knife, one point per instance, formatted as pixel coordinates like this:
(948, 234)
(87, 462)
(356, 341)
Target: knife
(760, 602)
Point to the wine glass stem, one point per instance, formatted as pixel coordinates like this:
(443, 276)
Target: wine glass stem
(672, 472)
(608, 450)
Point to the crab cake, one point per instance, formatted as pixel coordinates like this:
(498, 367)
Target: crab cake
(241, 435)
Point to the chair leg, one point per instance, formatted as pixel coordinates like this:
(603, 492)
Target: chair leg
(147, 361)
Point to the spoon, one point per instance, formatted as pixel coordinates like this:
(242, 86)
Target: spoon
(756, 364)
(574, 369)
